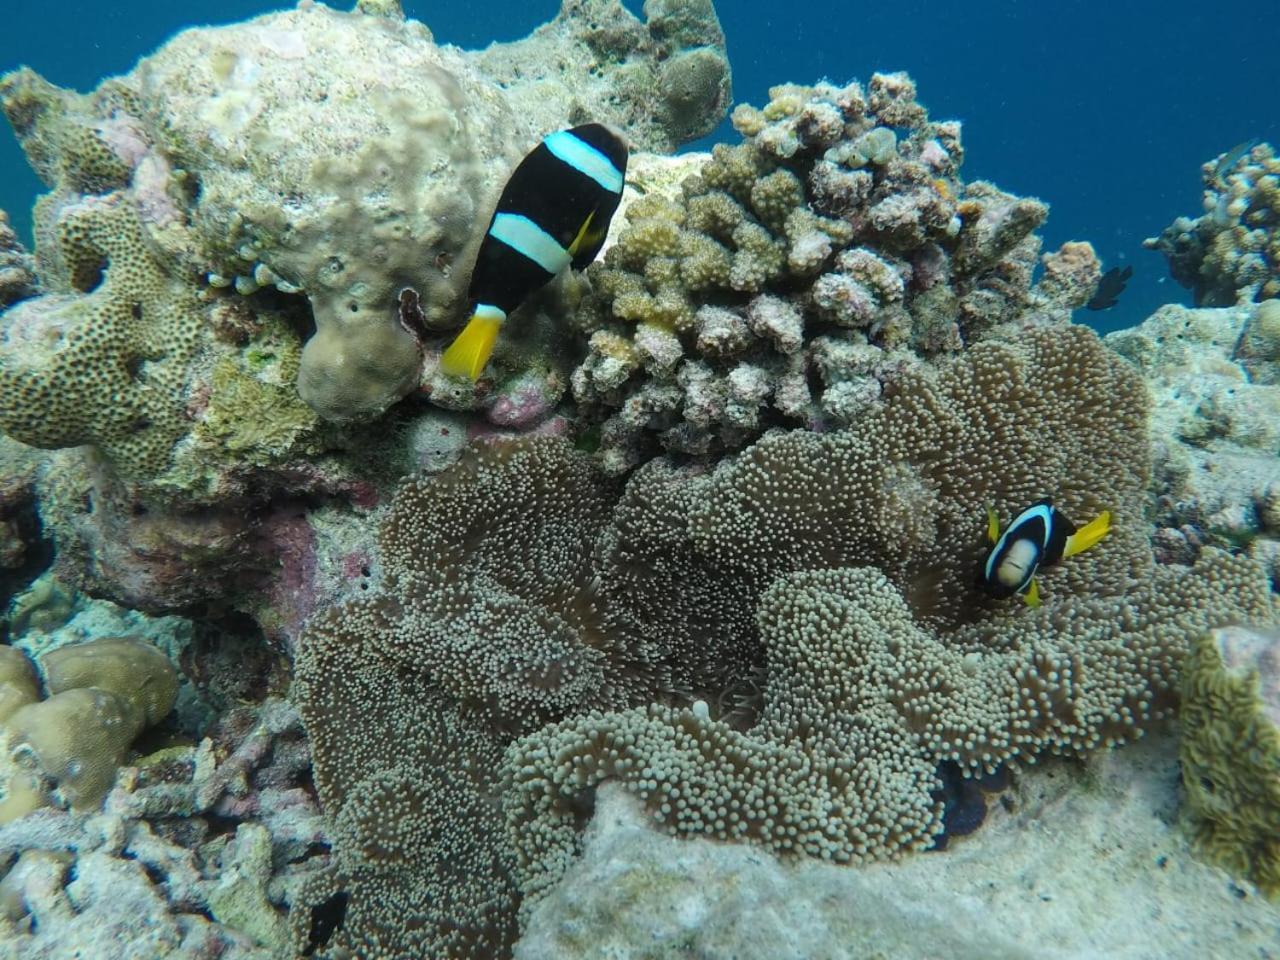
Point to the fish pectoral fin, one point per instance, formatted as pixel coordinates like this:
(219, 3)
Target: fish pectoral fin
(1088, 535)
(469, 352)
(584, 238)
(1032, 597)
(993, 525)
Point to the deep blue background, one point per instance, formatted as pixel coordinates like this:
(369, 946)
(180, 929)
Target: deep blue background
(1105, 110)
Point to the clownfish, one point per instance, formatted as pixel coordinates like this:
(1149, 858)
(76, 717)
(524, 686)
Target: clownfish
(1039, 536)
(554, 212)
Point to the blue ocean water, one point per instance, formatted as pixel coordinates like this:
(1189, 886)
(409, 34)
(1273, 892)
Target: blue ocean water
(1104, 110)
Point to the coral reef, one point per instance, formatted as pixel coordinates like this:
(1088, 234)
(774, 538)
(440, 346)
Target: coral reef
(64, 750)
(210, 207)
(701, 543)
(814, 593)
(665, 80)
(194, 854)
(17, 268)
(792, 276)
(1231, 253)
(1052, 855)
(1214, 375)
(1231, 750)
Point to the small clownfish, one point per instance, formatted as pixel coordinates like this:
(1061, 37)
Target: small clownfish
(554, 212)
(1040, 536)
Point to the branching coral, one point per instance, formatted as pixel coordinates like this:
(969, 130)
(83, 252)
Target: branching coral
(1232, 251)
(794, 274)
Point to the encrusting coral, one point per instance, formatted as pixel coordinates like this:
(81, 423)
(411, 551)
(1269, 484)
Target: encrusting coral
(102, 360)
(1231, 750)
(1231, 252)
(815, 593)
(792, 275)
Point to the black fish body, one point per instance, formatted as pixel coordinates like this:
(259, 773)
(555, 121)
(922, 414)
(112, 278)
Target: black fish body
(1036, 538)
(1039, 536)
(553, 213)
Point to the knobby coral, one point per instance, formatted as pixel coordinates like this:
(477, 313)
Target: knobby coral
(1231, 252)
(792, 275)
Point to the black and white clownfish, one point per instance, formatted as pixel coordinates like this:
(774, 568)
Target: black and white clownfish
(554, 212)
(1039, 536)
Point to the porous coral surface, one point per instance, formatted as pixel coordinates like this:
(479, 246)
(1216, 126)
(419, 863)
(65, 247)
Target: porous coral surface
(790, 277)
(1231, 252)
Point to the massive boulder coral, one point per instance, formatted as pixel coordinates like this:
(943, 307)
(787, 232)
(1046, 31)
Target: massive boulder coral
(792, 275)
(65, 749)
(191, 855)
(665, 80)
(1231, 252)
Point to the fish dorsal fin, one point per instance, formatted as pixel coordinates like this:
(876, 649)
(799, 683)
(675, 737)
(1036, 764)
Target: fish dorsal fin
(993, 525)
(1032, 596)
(1088, 535)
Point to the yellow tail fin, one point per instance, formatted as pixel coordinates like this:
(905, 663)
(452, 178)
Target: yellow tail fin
(993, 526)
(470, 351)
(1088, 535)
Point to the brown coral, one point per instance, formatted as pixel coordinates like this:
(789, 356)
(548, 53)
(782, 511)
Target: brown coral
(106, 363)
(848, 229)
